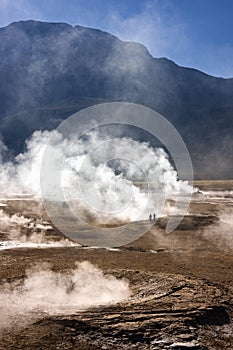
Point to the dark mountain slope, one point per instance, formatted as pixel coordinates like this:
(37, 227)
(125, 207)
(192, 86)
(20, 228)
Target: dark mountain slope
(50, 70)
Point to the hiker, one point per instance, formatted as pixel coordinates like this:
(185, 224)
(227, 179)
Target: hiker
(150, 217)
(154, 217)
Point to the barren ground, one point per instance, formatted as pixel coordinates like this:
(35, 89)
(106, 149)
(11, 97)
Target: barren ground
(181, 287)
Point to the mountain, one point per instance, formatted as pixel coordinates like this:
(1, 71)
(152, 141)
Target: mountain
(50, 70)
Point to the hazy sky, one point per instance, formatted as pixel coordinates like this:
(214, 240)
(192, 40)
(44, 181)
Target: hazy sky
(193, 33)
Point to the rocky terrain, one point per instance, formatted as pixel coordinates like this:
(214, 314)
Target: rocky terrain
(181, 284)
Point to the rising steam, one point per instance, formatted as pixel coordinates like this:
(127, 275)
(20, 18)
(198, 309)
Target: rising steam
(221, 233)
(18, 231)
(51, 292)
(113, 189)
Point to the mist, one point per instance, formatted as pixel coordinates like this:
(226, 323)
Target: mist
(111, 179)
(44, 291)
(221, 232)
(18, 231)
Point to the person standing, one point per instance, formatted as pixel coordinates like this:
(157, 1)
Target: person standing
(150, 217)
(154, 217)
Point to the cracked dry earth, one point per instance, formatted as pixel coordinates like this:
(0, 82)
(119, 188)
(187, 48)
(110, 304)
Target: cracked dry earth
(163, 314)
(164, 311)
(181, 291)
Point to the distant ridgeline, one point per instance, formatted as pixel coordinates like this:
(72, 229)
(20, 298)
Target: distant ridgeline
(49, 71)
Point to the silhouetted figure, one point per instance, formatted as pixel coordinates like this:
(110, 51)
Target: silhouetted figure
(154, 217)
(150, 217)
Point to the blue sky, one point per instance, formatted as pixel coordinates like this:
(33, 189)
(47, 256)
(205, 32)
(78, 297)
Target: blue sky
(193, 33)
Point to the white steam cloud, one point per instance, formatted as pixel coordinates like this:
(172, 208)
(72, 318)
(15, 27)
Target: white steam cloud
(53, 292)
(18, 231)
(107, 189)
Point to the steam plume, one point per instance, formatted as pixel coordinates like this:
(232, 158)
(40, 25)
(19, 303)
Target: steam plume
(46, 291)
(98, 186)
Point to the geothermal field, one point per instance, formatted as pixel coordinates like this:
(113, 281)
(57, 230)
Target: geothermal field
(116, 186)
(161, 291)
